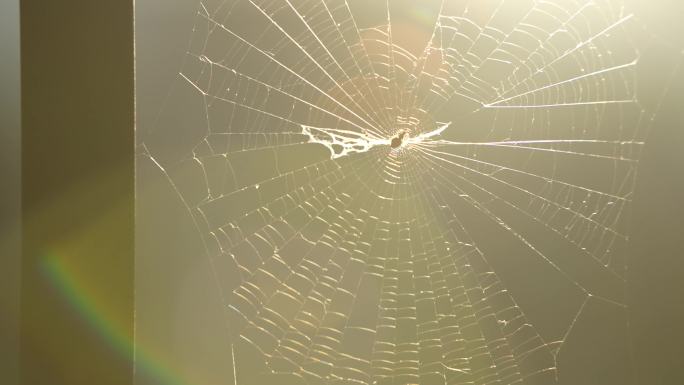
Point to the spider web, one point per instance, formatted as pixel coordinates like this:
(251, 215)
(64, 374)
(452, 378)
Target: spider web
(342, 258)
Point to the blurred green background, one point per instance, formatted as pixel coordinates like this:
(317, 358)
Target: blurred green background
(69, 293)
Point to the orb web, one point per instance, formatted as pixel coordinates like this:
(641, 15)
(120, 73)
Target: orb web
(342, 255)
